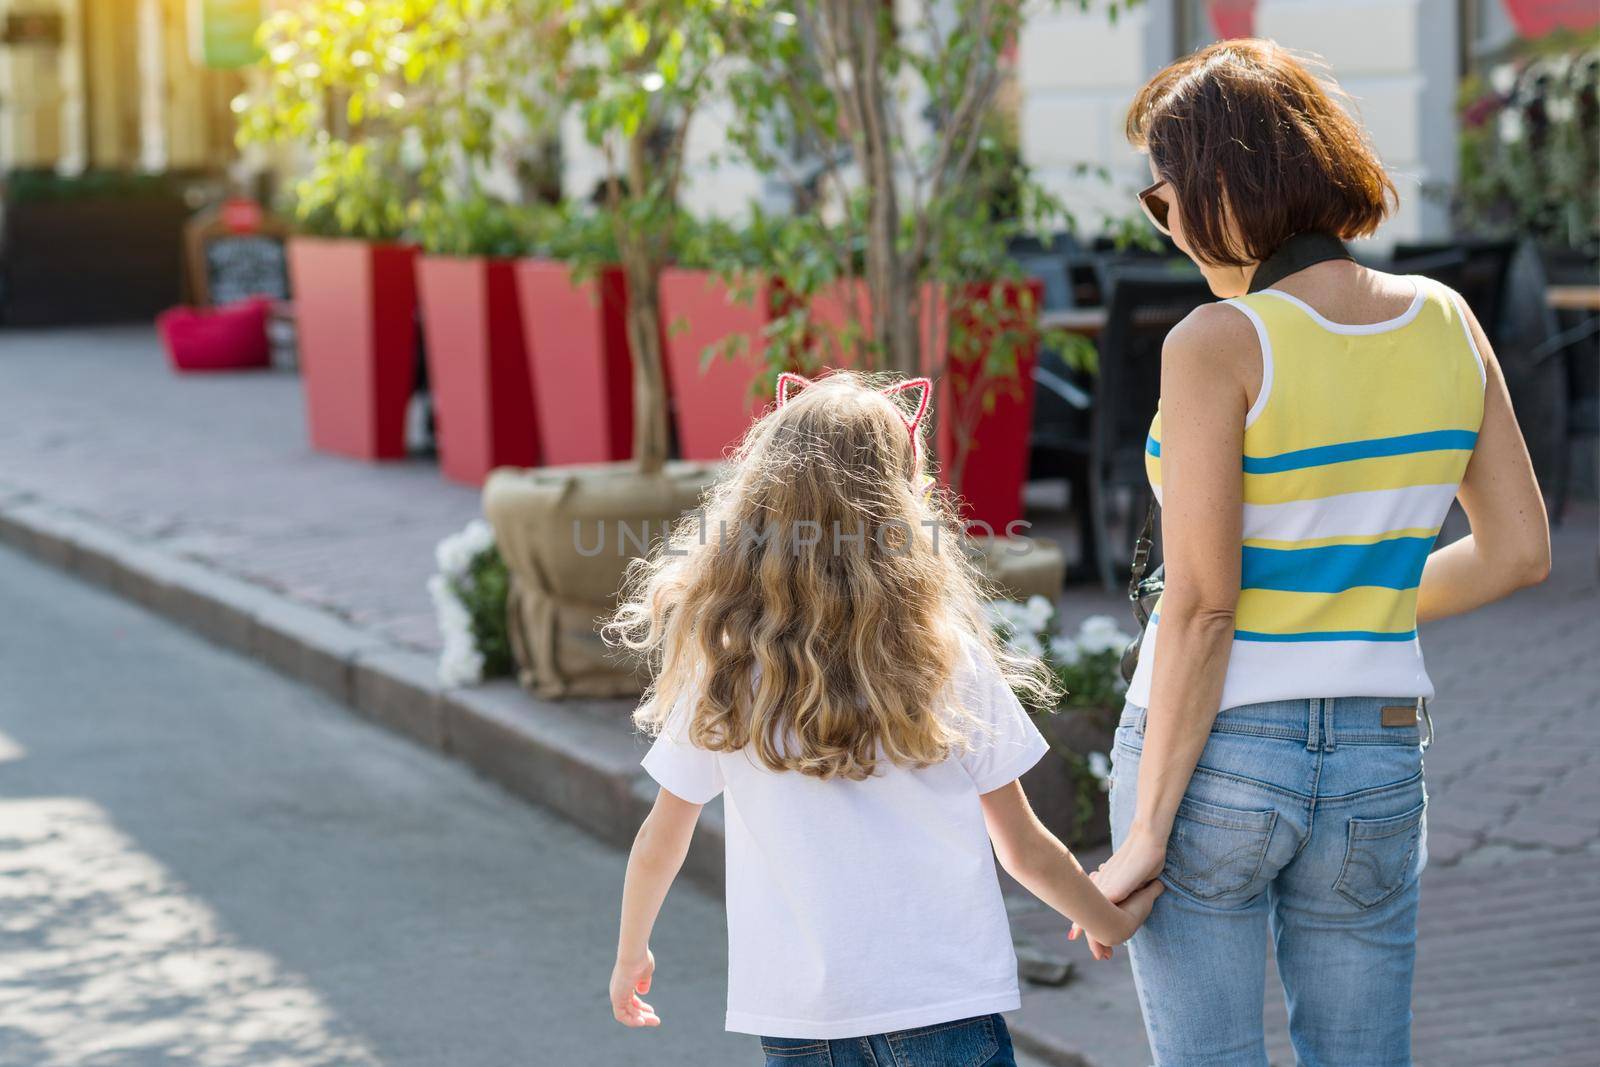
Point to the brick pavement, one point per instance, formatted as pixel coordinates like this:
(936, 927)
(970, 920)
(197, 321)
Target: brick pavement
(217, 470)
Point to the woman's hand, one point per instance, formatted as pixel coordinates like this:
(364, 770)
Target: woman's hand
(1132, 867)
(629, 978)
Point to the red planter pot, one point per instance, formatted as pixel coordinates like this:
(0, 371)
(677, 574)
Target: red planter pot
(996, 462)
(841, 314)
(355, 314)
(714, 406)
(575, 334)
(477, 368)
(232, 337)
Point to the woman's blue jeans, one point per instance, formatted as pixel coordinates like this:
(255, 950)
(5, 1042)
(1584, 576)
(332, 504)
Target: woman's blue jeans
(1304, 817)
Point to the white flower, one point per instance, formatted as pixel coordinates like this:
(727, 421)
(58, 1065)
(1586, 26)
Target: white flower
(1560, 108)
(460, 666)
(1099, 633)
(1026, 644)
(1503, 78)
(451, 557)
(454, 554)
(1008, 615)
(1510, 126)
(478, 536)
(1037, 612)
(1100, 767)
(460, 662)
(1065, 650)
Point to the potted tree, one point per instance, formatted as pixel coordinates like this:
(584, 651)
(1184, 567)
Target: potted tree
(355, 303)
(483, 397)
(574, 301)
(633, 75)
(917, 279)
(387, 99)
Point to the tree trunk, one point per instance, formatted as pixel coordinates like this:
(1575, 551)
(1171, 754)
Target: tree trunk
(644, 338)
(888, 278)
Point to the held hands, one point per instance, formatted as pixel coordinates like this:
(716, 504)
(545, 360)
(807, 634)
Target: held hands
(629, 978)
(1129, 880)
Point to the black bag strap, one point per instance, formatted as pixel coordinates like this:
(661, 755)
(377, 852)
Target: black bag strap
(1143, 545)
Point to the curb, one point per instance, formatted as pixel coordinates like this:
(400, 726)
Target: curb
(574, 758)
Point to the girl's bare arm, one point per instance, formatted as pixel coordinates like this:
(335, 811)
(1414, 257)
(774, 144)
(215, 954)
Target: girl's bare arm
(1046, 868)
(657, 856)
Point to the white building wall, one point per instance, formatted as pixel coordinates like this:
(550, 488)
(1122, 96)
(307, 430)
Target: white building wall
(712, 186)
(1397, 61)
(1395, 58)
(1077, 72)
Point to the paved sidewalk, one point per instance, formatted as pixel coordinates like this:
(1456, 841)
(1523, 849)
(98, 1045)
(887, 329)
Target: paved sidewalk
(217, 471)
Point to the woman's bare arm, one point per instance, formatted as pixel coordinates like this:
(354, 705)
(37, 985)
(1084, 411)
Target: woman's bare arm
(1509, 546)
(1203, 406)
(1206, 364)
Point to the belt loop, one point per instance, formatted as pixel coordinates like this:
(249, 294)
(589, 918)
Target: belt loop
(1313, 715)
(1327, 724)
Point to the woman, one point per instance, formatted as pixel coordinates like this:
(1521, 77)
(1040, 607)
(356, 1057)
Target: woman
(1268, 765)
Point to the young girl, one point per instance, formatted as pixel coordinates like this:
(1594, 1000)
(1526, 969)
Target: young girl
(822, 660)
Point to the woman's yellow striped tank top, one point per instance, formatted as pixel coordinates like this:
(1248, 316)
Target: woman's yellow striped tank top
(1353, 452)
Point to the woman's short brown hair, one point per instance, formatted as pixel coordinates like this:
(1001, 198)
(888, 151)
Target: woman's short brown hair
(1243, 131)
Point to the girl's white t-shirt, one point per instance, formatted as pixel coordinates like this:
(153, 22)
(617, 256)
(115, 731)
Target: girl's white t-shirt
(859, 908)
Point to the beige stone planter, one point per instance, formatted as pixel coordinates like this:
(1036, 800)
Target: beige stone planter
(567, 535)
(1020, 567)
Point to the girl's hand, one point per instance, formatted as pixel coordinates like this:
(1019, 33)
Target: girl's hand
(1132, 867)
(629, 978)
(1131, 914)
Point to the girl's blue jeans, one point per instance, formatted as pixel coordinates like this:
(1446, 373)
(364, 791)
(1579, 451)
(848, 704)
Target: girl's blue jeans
(1305, 818)
(980, 1042)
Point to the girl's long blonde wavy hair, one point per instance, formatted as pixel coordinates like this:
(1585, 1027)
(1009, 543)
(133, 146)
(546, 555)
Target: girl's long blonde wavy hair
(814, 610)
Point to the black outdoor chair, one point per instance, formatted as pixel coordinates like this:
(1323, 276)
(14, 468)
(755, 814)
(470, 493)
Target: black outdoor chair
(1059, 445)
(1064, 243)
(1484, 273)
(1542, 362)
(1143, 306)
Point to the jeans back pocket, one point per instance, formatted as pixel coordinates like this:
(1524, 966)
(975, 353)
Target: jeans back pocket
(1215, 852)
(965, 1043)
(1380, 857)
(793, 1052)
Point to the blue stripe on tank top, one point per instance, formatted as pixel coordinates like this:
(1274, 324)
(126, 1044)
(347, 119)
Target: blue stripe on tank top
(1316, 635)
(1393, 564)
(1324, 455)
(1325, 635)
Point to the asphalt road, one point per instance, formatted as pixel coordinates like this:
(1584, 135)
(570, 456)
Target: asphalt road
(204, 864)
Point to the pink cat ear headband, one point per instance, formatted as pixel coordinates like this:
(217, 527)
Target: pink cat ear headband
(789, 384)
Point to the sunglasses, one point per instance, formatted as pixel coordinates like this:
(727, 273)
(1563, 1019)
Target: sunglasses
(1155, 206)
